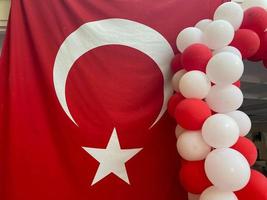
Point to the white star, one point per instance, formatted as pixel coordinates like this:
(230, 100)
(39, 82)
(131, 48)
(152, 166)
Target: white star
(112, 159)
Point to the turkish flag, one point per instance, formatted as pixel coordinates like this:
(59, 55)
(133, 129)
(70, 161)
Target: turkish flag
(83, 92)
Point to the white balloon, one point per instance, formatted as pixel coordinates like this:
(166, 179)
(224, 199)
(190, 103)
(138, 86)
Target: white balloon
(194, 84)
(229, 49)
(224, 98)
(231, 12)
(192, 147)
(238, 1)
(187, 37)
(202, 24)
(220, 131)
(193, 196)
(252, 3)
(243, 121)
(176, 79)
(218, 34)
(178, 131)
(225, 68)
(227, 169)
(213, 193)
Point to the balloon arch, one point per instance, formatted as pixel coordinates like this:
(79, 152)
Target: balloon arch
(216, 157)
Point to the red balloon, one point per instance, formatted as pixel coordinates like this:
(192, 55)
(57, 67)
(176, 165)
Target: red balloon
(176, 64)
(247, 42)
(256, 189)
(190, 114)
(255, 19)
(193, 177)
(196, 57)
(247, 149)
(262, 52)
(237, 84)
(264, 62)
(173, 102)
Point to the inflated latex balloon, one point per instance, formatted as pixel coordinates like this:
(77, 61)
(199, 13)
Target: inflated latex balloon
(242, 120)
(255, 19)
(192, 113)
(202, 24)
(229, 49)
(264, 62)
(193, 196)
(196, 57)
(254, 3)
(247, 148)
(178, 131)
(262, 51)
(247, 42)
(213, 193)
(224, 99)
(231, 12)
(194, 84)
(220, 131)
(192, 147)
(187, 37)
(218, 34)
(176, 79)
(237, 84)
(173, 102)
(255, 189)
(227, 169)
(176, 63)
(225, 68)
(237, 1)
(193, 178)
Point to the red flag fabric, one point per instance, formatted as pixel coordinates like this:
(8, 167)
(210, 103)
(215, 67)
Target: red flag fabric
(83, 91)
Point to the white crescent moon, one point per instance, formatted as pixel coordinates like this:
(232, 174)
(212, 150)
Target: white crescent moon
(112, 31)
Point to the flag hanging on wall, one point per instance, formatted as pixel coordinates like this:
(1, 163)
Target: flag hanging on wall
(83, 93)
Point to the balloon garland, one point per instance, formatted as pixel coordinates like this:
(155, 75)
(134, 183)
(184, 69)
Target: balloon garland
(216, 157)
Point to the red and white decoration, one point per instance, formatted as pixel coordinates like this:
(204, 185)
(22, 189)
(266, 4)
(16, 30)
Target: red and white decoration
(210, 128)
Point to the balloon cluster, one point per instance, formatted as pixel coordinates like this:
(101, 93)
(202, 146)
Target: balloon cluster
(210, 130)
